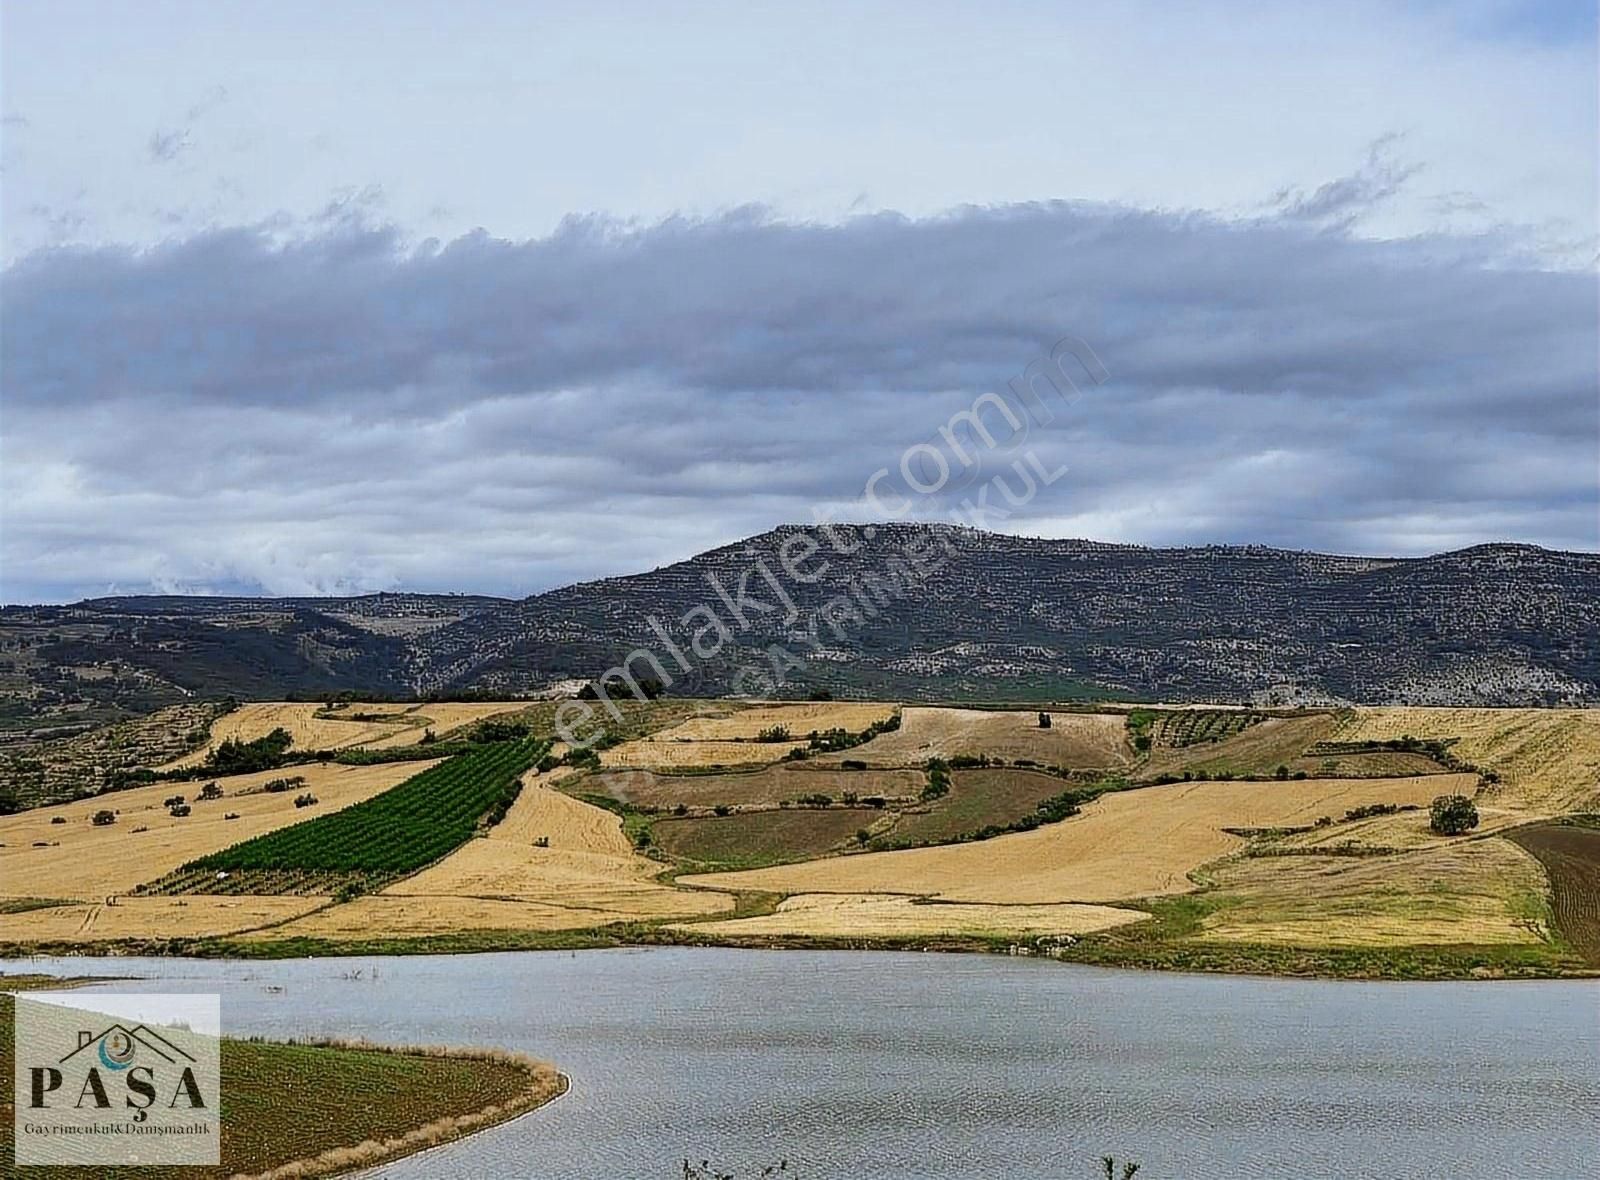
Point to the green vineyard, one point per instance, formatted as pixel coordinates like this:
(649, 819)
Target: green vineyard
(403, 829)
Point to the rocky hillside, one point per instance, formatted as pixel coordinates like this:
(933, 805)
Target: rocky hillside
(1015, 616)
(930, 611)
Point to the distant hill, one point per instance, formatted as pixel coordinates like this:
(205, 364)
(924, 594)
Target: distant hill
(999, 617)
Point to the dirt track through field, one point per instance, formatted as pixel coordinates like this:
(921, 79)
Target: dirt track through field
(1571, 858)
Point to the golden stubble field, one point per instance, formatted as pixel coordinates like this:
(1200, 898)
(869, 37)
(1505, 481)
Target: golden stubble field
(1477, 891)
(868, 915)
(87, 862)
(1089, 740)
(726, 738)
(1413, 887)
(1548, 759)
(401, 725)
(588, 875)
(1140, 843)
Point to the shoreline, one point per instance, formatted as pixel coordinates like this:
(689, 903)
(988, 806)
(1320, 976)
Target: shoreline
(541, 1084)
(1440, 963)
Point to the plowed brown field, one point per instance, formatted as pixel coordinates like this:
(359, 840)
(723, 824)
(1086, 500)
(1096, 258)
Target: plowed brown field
(1571, 857)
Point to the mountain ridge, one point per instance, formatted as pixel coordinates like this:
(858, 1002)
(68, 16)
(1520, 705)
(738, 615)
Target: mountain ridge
(994, 616)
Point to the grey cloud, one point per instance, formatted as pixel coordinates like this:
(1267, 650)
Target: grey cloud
(243, 409)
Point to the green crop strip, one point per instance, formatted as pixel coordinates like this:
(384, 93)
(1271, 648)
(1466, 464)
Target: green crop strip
(403, 829)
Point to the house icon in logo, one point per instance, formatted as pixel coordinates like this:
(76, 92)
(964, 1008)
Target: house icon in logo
(117, 1046)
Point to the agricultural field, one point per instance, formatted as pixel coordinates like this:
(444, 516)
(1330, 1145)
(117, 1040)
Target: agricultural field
(978, 799)
(653, 754)
(771, 785)
(84, 861)
(1127, 844)
(755, 838)
(315, 726)
(1571, 857)
(408, 826)
(360, 1104)
(1193, 727)
(403, 850)
(1256, 750)
(1478, 892)
(553, 863)
(139, 917)
(1548, 760)
(1079, 740)
(871, 915)
(747, 724)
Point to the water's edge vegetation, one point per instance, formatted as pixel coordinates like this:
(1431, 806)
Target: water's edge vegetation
(377, 1103)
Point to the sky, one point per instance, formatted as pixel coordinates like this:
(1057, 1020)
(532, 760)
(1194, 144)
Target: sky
(306, 298)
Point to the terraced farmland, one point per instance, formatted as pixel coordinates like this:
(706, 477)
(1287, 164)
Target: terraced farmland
(379, 840)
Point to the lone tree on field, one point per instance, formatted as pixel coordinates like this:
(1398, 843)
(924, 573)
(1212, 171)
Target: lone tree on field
(1451, 815)
(1044, 721)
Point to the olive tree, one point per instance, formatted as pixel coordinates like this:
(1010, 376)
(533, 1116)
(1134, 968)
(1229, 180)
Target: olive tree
(1451, 815)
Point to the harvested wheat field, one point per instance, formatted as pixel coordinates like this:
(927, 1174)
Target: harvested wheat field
(154, 917)
(1469, 891)
(867, 915)
(774, 784)
(1074, 739)
(1137, 843)
(1548, 759)
(89, 862)
(388, 724)
(443, 717)
(299, 720)
(662, 755)
(589, 875)
(799, 719)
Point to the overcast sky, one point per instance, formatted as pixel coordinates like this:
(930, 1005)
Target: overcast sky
(305, 298)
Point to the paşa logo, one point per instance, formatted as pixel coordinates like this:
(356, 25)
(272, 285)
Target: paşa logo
(118, 1079)
(117, 1048)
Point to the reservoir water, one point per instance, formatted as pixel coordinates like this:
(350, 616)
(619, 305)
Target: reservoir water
(851, 1064)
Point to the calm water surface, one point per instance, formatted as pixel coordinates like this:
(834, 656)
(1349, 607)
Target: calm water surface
(920, 1065)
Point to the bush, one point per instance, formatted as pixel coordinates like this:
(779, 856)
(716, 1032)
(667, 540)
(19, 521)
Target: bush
(853, 764)
(264, 753)
(277, 785)
(1044, 721)
(306, 800)
(210, 791)
(102, 818)
(773, 733)
(1451, 815)
(722, 809)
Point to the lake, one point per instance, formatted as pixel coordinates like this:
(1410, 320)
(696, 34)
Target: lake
(854, 1064)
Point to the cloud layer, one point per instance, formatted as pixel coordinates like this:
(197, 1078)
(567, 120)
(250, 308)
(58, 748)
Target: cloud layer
(339, 409)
